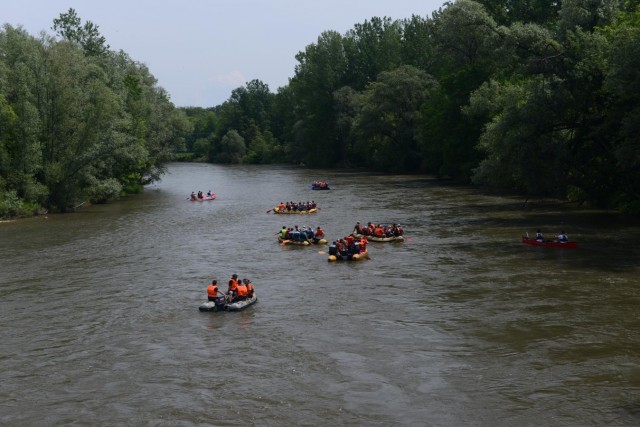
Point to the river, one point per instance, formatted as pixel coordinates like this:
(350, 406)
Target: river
(461, 324)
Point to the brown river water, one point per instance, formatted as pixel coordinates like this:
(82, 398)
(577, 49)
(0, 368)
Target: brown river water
(460, 325)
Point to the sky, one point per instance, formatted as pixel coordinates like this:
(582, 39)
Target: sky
(200, 50)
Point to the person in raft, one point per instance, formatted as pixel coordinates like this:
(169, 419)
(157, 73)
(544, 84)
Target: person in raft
(212, 293)
(563, 238)
(193, 195)
(242, 291)
(232, 290)
(250, 289)
(539, 237)
(318, 235)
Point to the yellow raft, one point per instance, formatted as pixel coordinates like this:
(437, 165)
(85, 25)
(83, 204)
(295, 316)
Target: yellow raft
(301, 243)
(277, 210)
(354, 257)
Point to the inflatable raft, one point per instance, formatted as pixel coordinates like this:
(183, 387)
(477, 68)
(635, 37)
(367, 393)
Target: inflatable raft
(234, 306)
(379, 239)
(204, 198)
(349, 257)
(303, 242)
(277, 210)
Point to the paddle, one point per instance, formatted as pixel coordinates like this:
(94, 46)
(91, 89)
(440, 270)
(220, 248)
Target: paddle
(269, 210)
(321, 252)
(284, 242)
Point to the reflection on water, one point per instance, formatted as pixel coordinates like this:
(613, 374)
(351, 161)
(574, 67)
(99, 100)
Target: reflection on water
(460, 325)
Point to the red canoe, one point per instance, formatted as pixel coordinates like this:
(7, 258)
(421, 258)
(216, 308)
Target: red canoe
(534, 242)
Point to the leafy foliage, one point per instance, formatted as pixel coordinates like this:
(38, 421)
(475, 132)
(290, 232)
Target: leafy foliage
(78, 121)
(533, 96)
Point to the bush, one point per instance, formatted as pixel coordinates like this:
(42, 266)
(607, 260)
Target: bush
(103, 191)
(12, 206)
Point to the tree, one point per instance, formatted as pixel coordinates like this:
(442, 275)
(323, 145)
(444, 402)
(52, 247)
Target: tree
(69, 27)
(508, 12)
(370, 48)
(321, 70)
(417, 43)
(78, 122)
(232, 148)
(347, 107)
(464, 39)
(388, 120)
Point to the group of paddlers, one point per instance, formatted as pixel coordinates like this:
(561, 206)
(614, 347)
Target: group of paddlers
(320, 184)
(238, 290)
(299, 207)
(199, 196)
(379, 230)
(562, 237)
(348, 245)
(304, 234)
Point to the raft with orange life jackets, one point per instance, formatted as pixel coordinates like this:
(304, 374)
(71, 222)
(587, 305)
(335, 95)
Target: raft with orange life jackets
(372, 238)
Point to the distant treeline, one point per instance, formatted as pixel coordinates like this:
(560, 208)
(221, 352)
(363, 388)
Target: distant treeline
(78, 122)
(540, 97)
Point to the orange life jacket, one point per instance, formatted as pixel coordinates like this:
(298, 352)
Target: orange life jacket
(249, 290)
(233, 285)
(212, 291)
(242, 291)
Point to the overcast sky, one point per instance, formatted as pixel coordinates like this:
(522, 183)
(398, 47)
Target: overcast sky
(201, 50)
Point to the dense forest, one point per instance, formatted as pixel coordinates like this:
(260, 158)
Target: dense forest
(539, 97)
(78, 122)
(533, 96)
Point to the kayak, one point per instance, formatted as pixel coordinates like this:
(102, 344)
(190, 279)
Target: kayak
(549, 243)
(234, 306)
(317, 187)
(354, 257)
(303, 242)
(379, 239)
(204, 198)
(277, 210)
